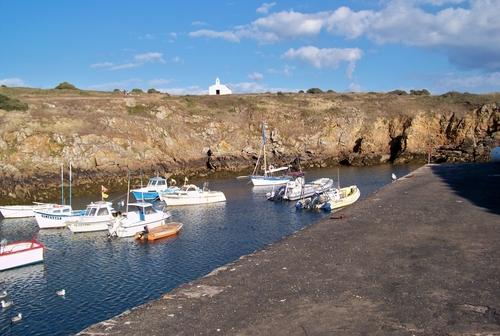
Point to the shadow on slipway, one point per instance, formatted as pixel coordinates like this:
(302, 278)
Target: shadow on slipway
(477, 182)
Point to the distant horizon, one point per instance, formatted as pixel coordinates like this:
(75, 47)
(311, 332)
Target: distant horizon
(253, 46)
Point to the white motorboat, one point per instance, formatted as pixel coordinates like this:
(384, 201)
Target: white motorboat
(97, 217)
(20, 253)
(139, 216)
(22, 211)
(191, 195)
(298, 189)
(57, 216)
(151, 192)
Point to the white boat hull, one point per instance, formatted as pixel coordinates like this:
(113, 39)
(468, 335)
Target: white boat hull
(123, 228)
(199, 198)
(21, 211)
(20, 254)
(82, 225)
(269, 181)
(49, 221)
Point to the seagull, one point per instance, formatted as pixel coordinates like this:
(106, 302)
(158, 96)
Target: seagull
(61, 292)
(3, 295)
(6, 304)
(17, 318)
(394, 177)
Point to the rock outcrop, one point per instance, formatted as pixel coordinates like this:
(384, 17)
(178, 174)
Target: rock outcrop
(105, 134)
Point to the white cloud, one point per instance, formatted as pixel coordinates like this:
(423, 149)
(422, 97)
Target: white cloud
(122, 85)
(454, 81)
(265, 7)
(139, 60)
(468, 32)
(159, 81)
(147, 37)
(125, 66)
(15, 82)
(177, 59)
(198, 23)
(225, 35)
(150, 57)
(326, 57)
(286, 71)
(354, 87)
(102, 65)
(193, 90)
(256, 76)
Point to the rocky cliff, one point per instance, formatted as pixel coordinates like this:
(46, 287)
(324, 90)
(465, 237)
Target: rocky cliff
(105, 134)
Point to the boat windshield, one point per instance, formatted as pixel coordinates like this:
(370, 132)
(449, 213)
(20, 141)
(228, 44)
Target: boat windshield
(152, 183)
(90, 211)
(103, 212)
(161, 183)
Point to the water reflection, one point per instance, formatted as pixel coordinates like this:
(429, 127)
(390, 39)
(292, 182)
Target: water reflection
(104, 278)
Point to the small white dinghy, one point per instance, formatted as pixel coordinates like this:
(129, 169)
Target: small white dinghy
(190, 195)
(20, 253)
(97, 217)
(23, 211)
(140, 215)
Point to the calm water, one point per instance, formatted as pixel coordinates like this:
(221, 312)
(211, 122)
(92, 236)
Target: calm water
(104, 278)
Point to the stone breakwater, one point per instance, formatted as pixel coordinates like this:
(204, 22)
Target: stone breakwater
(105, 135)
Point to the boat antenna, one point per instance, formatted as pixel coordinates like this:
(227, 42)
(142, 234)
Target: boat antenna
(62, 183)
(128, 190)
(70, 180)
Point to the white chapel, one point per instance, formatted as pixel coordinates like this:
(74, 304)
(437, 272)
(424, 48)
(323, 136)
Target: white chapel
(218, 89)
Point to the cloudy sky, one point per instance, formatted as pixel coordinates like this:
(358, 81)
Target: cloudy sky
(253, 46)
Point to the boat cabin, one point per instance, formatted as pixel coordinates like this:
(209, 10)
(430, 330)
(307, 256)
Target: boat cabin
(188, 188)
(99, 209)
(157, 182)
(141, 209)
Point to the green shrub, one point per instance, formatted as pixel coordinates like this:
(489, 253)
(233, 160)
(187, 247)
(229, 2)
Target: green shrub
(314, 90)
(398, 92)
(153, 91)
(330, 91)
(65, 86)
(136, 90)
(422, 92)
(117, 91)
(301, 91)
(11, 104)
(140, 109)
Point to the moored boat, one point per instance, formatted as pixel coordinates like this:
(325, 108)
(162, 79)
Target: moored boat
(156, 186)
(56, 217)
(331, 200)
(162, 231)
(97, 217)
(298, 189)
(190, 195)
(20, 253)
(139, 216)
(23, 211)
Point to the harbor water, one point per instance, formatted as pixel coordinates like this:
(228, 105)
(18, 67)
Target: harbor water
(104, 278)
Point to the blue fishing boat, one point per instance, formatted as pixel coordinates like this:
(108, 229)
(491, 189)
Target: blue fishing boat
(151, 192)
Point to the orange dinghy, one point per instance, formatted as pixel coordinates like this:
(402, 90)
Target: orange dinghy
(162, 231)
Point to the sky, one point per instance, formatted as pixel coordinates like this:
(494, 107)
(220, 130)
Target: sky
(180, 47)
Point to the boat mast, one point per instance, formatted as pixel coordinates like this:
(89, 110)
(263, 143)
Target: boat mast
(62, 183)
(264, 147)
(128, 190)
(70, 180)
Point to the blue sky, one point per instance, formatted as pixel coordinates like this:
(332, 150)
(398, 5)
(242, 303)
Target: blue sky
(253, 46)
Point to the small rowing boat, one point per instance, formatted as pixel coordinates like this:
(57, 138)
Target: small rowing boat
(162, 231)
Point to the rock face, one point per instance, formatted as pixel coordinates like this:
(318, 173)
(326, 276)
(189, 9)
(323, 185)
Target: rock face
(105, 134)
